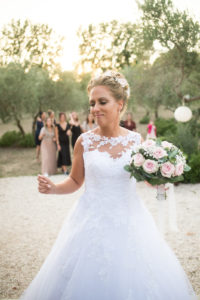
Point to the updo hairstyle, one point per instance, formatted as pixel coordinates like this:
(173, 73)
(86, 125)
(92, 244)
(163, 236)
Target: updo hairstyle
(116, 83)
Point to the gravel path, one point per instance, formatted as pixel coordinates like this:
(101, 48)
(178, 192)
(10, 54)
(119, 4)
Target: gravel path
(30, 223)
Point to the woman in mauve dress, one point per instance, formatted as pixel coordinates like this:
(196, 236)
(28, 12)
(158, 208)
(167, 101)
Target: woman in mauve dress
(48, 148)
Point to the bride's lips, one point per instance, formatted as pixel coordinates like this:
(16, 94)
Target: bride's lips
(99, 115)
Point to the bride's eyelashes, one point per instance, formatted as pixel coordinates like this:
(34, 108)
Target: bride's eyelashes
(101, 102)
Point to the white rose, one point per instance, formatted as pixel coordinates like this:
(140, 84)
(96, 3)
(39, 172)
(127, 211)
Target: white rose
(166, 144)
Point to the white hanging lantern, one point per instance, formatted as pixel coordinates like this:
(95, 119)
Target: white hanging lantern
(183, 114)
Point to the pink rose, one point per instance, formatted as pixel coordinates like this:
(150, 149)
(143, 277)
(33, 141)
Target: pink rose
(150, 166)
(159, 152)
(166, 144)
(167, 169)
(138, 159)
(178, 169)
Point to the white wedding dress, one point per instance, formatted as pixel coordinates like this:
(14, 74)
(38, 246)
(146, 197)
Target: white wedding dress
(109, 247)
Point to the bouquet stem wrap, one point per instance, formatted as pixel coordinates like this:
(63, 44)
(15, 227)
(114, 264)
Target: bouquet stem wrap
(161, 193)
(161, 164)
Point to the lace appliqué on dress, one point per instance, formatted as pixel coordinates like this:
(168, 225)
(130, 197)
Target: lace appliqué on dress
(114, 146)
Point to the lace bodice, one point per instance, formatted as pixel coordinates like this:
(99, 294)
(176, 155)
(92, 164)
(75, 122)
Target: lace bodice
(114, 146)
(104, 161)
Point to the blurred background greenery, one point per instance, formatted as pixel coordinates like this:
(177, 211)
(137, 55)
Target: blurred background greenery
(159, 55)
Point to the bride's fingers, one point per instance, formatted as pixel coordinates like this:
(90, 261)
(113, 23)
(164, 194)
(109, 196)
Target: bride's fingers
(44, 186)
(43, 182)
(43, 190)
(42, 179)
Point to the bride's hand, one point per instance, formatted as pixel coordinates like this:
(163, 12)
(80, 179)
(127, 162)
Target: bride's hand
(45, 185)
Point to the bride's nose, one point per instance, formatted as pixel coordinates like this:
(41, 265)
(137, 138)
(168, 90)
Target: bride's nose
(96, 108)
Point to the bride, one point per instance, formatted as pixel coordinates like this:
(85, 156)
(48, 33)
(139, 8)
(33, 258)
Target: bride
(109, 247)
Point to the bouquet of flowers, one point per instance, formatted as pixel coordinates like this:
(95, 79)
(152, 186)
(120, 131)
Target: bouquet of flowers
(157, 162)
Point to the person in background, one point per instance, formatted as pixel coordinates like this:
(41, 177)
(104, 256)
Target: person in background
(129, 123)
(39, 124)
(121, 123)
(75, 127)
(62, 139)
(89, 123)
(151, 130)
(48, 148)
(51, 114)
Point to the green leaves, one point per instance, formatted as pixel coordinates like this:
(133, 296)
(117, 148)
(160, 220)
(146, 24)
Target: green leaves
(112, 45)
(172, 28)
(127, 168)
(30, 44)
(187, 168)
(158, 142)
(172, 156)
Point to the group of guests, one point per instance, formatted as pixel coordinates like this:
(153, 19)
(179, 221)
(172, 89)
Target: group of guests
(52, 137)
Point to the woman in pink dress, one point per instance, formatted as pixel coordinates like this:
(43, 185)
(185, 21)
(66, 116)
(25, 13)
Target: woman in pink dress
(151, 133)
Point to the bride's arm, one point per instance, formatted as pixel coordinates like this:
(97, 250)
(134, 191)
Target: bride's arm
(73, 182)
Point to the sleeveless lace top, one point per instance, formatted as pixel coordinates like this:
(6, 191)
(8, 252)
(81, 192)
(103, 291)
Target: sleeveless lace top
(104, 161)
(113, 146)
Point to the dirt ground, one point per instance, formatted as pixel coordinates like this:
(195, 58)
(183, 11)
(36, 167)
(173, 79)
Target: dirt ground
(18, 162)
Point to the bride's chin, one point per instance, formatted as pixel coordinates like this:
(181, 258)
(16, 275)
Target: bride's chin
(100, 122)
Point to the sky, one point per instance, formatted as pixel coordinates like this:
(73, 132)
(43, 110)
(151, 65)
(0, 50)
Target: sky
(65, 16)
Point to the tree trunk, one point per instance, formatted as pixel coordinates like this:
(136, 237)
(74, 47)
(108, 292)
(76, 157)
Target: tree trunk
(156, 113)
(19, 126)
(17, 119)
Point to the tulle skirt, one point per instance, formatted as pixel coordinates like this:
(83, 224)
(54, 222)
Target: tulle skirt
(110, 256)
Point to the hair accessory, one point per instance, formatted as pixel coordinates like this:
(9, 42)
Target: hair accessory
(122, 81)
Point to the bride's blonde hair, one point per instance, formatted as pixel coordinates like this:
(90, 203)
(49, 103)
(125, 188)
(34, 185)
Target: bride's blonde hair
(117, 84)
